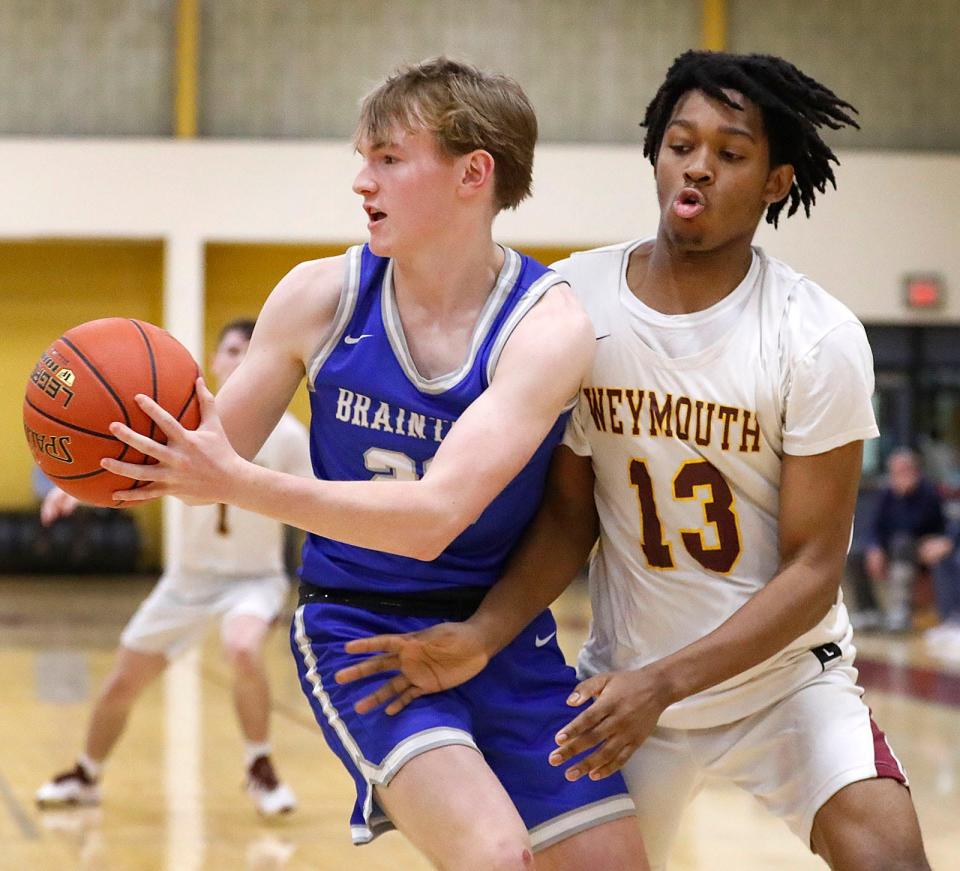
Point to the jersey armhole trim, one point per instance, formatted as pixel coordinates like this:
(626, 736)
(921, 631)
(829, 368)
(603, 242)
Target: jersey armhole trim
(531, 297)
(345, 309)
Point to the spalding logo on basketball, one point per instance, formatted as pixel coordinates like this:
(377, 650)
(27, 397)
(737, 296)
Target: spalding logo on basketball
(86, 380)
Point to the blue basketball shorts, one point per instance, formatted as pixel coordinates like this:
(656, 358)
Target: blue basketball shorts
(510, 713)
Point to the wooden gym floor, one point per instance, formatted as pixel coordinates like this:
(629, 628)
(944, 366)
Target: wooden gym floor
(172, 791)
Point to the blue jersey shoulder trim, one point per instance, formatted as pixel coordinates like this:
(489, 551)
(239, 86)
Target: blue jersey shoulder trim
(533, 294)
(345, 308)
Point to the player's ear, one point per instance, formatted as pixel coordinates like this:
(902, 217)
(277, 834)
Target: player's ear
(478, 168)
(778, 183)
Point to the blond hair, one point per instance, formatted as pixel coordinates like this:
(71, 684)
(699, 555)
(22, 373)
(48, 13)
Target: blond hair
(466, 109)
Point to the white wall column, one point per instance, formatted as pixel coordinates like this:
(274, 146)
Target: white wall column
(183, 316)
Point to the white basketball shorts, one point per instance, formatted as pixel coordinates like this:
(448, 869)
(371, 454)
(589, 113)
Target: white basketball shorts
(170, 619)
(792, 757)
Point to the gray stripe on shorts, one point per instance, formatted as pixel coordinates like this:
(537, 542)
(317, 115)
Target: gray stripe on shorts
(580, 819)
(414, 745)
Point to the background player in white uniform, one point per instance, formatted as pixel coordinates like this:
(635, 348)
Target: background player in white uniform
(230, 566)
(720, 434)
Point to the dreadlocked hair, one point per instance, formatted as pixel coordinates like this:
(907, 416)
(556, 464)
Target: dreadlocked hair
(794, 107)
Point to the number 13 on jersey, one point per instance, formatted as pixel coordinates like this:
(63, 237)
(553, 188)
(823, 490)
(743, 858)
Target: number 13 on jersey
(718, 511)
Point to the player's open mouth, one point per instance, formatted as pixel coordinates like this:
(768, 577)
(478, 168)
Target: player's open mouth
(689, 203)
(375, 215)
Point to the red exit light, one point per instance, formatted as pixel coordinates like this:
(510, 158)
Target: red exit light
(923, 291)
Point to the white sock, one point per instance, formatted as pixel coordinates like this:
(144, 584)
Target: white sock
(256, 749)
(91, 767)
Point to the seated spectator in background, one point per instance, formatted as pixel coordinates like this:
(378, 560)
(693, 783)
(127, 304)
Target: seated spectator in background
(940, 460)
(908, 531)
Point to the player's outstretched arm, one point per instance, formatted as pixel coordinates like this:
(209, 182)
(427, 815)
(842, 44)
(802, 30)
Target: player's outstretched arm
(551, 553)
(817, 498)
(541, 367)
(203, 465)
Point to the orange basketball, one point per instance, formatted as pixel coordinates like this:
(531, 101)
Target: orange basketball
(86, 380)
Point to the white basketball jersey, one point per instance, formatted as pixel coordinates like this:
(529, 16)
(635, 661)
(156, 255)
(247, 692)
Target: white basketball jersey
(224, 541)
(687, 453)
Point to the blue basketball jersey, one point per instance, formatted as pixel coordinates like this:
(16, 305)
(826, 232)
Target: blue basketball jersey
(374, 416)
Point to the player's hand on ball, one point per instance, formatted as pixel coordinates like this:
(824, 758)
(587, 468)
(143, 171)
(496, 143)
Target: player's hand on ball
(626, 707)
(428, 661)
(195, 465)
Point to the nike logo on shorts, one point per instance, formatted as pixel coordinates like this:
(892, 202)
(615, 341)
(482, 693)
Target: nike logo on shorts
(539, 642)
(352, 340)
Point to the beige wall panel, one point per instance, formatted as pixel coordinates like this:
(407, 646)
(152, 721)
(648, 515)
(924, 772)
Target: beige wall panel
(893, 213)
(895, 60)
(299, 68)
(86, 67)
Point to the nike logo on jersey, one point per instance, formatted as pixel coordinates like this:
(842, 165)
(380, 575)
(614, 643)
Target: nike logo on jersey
(352, 340)
(539, 642)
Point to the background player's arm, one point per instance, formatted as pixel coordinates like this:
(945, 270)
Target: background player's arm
(540, 369)
(57, 504)
(295, 450)
(295, 319)
(817, 498)
(552, 551)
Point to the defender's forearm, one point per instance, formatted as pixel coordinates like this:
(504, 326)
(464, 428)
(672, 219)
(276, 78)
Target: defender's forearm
(548, 558)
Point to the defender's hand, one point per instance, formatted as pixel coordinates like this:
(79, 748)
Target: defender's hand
(625, 711)
(428, 661)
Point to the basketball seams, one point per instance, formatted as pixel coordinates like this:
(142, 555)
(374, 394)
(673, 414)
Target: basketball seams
(96, 373)
(190, 398)
(155, 388)
(68, 425)
(76, 428)
(153, 368)
(75, 477)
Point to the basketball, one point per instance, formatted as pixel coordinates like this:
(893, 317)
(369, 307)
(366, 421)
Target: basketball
(87, 379)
